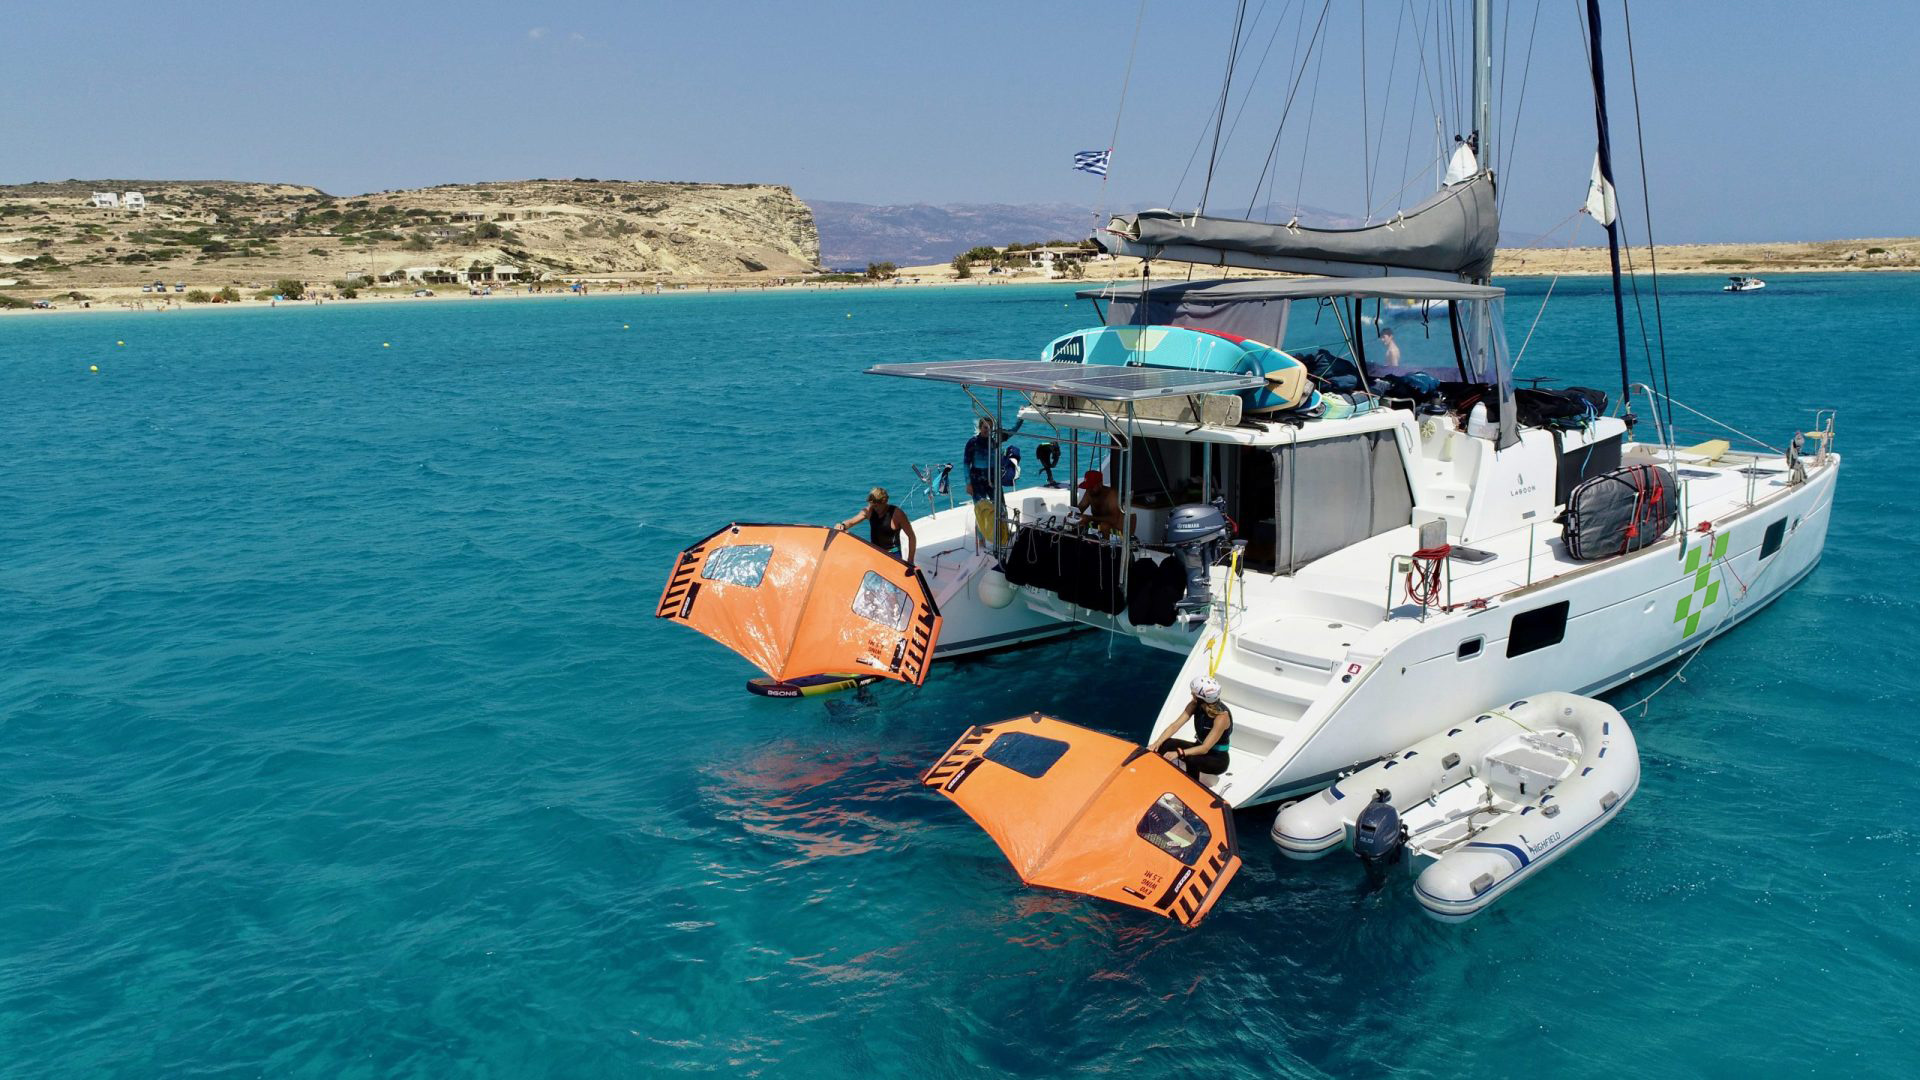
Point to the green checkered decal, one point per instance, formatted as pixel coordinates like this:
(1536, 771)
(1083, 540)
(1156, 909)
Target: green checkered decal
(1705, 591)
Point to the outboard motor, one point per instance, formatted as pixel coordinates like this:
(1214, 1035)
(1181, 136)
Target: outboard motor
(1378, 835)
(1196, 531)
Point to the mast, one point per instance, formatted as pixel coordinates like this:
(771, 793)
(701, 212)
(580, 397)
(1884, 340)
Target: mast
(1605, 167)
(1483, 82)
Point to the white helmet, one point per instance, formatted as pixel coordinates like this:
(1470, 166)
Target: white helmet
(1206, 689)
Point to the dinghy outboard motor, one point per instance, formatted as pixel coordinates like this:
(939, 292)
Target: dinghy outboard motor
(1378, 835)
(1196, 531)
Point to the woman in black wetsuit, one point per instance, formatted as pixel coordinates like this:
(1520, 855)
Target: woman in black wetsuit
(885, 524)
(1206, 753)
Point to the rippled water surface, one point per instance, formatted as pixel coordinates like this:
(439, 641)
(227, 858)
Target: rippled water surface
(337, 737)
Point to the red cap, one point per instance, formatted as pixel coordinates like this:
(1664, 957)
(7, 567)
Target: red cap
(1091, 480)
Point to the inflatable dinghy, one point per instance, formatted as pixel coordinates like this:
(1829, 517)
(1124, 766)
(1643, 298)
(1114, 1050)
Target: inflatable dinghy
(1288, 386)
(805, 600)
(1478, 808)
(808, 685)
(1076, 810)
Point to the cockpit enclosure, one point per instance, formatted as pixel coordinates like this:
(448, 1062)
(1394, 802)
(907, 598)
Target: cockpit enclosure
(1382, 326)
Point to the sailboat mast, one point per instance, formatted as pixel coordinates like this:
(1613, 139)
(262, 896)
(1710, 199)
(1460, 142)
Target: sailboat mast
(1606, 181)
(1483, 82)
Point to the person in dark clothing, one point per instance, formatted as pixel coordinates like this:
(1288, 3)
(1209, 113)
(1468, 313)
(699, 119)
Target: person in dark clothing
(978, 461)
(885, 525)
(1206, 753)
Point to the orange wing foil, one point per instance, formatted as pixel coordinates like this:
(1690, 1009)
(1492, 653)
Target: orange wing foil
(798, 600)
(1088, 813)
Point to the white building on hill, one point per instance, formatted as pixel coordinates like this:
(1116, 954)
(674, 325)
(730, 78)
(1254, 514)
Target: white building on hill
(105, 200)
(133, 200)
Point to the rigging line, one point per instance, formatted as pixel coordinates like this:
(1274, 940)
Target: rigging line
(1499, 90)
(1393, 65)
(1226, 89)
(1246, 96)
(1419, 50)
(1297, 66)
(1646, 202)
(1366, 116)
(1286, 109)
(1306, 141)
(1100, 211)
(1513, 136)
(1573, 238)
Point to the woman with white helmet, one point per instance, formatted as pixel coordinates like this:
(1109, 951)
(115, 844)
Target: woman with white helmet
(1206, 753)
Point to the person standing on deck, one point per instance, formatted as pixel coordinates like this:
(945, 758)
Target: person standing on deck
(885, 524)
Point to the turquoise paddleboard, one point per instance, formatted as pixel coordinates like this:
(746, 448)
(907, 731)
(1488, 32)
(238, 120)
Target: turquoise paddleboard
(1193, 350)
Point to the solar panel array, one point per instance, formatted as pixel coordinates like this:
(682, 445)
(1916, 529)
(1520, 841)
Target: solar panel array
(1095, 382)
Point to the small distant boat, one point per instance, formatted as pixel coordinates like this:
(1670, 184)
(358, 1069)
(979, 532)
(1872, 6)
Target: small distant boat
(1737, 283)
(1478, 808)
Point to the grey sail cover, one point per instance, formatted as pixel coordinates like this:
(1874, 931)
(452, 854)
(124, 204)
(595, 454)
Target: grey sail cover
(1454, 232)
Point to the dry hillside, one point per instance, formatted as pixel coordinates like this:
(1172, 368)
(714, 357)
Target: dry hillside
(212, 234)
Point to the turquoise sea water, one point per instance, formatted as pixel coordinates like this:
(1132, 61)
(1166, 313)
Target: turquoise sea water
(337, 737)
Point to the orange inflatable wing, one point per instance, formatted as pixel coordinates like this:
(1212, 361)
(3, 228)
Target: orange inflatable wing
(1077, 810)
(800, 600)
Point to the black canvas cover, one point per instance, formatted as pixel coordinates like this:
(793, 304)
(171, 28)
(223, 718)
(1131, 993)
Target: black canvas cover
(1617, 512)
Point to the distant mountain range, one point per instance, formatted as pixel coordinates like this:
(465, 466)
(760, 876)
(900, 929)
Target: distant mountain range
(855, 234)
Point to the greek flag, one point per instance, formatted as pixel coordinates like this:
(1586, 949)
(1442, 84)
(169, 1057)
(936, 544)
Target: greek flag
(1093, 161)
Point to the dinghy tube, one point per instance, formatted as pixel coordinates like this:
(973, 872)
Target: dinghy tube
(1487, 802)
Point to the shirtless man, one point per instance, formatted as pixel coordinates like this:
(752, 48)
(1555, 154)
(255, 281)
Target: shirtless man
(1100, 503)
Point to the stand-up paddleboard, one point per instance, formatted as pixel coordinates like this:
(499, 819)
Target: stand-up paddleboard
(808, 685)
(1076, 810)
(1193, 350)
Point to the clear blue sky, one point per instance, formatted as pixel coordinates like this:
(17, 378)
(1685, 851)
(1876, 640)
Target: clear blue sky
(1764, 119)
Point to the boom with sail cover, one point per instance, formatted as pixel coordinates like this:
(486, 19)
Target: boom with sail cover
(1076, 810)
(1453, 233)
(800, 600)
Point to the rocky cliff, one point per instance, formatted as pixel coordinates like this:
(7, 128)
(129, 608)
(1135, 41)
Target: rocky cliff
(210, 233)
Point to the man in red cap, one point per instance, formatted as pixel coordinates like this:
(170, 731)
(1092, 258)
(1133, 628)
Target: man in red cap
(1100, 503)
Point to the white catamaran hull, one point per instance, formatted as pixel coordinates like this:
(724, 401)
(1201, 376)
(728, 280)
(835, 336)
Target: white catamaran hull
(1624, 616)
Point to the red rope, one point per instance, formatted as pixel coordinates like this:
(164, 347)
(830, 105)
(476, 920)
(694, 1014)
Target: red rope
(1423, 574)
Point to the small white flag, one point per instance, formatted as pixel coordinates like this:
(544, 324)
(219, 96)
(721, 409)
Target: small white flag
(1601, 204)
(1093, 161)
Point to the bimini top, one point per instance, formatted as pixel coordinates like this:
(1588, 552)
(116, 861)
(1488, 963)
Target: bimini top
(1096, 382)
(798, 600)
(1088, 813)
(1221, 291)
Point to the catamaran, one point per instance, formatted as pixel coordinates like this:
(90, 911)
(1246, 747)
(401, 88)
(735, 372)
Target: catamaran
(1327, 493)
(1356, 570)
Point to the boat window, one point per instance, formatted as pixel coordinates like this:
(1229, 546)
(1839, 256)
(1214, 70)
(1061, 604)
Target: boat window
(1028, 755)
(1776, 535)
(883, 602)
(1174, 828)
(1537, 629)
(741, 564)
(1469, 648)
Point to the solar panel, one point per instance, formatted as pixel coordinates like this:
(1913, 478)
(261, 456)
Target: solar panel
(1095, 382)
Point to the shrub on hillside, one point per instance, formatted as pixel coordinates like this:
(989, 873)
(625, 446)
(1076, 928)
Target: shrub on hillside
(961, 267)
(881, 271)
(228, 295)
(289, 288)
(199, 296)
